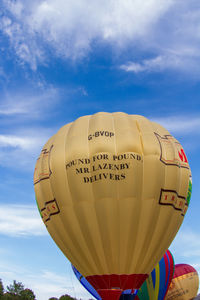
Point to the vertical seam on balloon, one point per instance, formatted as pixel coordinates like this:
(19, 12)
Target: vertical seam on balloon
(59, 240)
(142, 186)
(118, 213)
(91, 186)
(128, 263)
(93, 193)
(155, 218)
(67, 181)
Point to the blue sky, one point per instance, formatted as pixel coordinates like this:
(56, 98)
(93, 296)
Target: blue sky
(64, 59)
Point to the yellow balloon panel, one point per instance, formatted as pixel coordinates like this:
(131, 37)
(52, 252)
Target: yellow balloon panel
(112, 190)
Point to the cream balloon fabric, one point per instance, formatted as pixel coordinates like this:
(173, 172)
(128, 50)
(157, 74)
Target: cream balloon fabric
(112, 190)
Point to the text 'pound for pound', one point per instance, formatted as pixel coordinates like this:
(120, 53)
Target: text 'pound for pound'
(104, 157)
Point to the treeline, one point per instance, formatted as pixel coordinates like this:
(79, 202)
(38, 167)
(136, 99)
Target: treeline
(17, 291)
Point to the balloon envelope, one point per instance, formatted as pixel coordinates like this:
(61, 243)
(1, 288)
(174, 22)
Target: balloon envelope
(113, 190)
(185, 283)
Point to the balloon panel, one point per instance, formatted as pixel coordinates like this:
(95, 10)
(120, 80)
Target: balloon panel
(112, 190)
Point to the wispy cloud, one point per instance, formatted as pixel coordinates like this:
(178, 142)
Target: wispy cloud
(24, 143)
(21, 139)
(21, 150)
(169, 30)
(21, 220)
(31, 103)
(156, 64)
(71, 27)
(180, 124)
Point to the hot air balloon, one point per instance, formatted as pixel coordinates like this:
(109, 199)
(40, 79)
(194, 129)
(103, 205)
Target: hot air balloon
(154, 288)
(112, 190)
(185, 283)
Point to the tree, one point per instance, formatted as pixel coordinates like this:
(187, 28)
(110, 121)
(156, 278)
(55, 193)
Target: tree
(16, 288)
(9, 296)
(27, 294)
(53, 298)
(66, 297)
(16, 291)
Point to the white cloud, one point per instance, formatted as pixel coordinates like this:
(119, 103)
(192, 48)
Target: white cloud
(29, 103)
(24, 143)
(6, 110)
(21, 220)
(21, 141)
(169, 30)
(156, 64)
(180, 124)
(20, 151)
(71, 27)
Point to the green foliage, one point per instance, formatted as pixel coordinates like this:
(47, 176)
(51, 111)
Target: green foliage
(53, 298)
(66, 297)
(27, 294)
(16, 288)
(9, 296)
